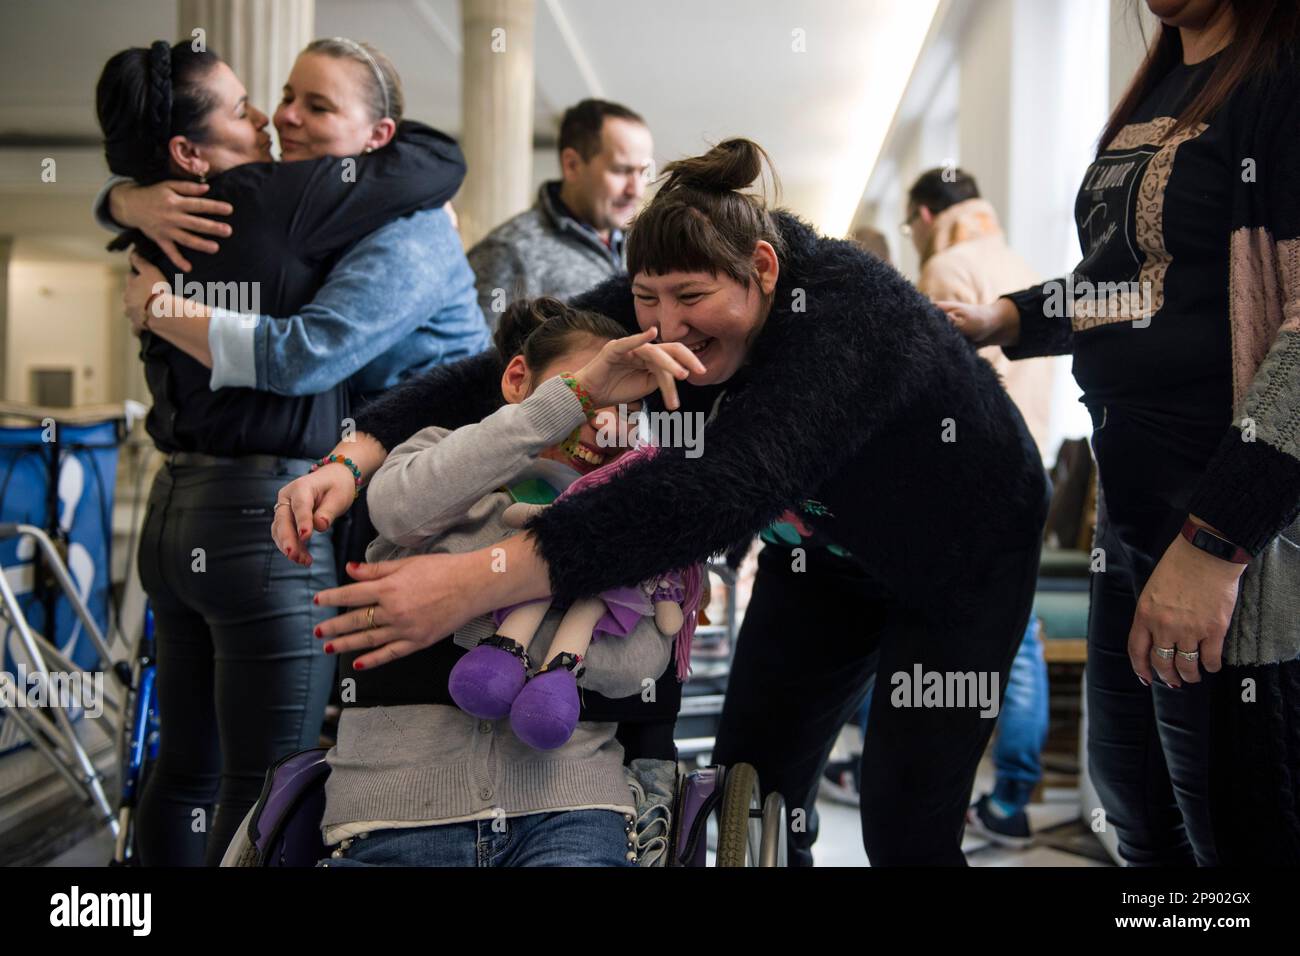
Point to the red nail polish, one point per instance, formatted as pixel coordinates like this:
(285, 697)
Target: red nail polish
(315, 599)
(329, 648)
(316, 631)
(358, 665)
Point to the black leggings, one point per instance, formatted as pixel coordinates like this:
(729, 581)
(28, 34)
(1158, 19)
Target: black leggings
(241, 679)
(810, 641)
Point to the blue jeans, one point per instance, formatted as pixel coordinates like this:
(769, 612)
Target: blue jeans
(1022, 723)
(561, 838)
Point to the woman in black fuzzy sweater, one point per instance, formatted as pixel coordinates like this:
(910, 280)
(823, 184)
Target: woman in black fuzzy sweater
(837, 392)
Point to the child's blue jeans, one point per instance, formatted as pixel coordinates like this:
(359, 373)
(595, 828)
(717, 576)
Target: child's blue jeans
(562, 838)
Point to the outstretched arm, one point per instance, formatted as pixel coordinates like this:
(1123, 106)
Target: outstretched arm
(382, 290)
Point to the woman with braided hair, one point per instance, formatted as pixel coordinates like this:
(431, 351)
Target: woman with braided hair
(240, 682)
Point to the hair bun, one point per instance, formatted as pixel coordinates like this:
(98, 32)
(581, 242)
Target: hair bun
(730, 165)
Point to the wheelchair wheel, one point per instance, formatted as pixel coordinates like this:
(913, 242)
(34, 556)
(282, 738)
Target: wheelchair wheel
(740, 827)
(772, 847)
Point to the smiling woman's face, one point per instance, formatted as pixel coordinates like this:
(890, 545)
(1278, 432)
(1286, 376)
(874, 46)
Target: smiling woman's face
(716, 317)
(324, 111)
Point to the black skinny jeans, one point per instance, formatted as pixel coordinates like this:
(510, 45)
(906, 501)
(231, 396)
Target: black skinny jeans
(241, 679)
(810, 641)
(1148, 748)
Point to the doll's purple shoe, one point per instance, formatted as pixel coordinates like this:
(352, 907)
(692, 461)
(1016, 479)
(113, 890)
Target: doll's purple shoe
(486, 681)
(545, 713)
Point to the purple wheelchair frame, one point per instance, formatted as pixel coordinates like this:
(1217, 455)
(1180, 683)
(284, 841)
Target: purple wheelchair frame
(283, 828)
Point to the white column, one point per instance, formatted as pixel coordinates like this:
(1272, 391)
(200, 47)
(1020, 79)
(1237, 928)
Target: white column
(258, 38)
(496, 113)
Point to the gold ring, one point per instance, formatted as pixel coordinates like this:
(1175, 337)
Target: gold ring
(370, 616)
(279, 504)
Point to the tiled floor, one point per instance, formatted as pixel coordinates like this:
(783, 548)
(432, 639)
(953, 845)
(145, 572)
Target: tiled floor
(839, 840)
(95, 850)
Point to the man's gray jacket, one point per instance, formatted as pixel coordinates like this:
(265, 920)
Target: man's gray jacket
(543, 251)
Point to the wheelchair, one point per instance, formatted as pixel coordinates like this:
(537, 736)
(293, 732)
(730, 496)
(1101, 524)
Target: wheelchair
(283, 827)
(709, 807)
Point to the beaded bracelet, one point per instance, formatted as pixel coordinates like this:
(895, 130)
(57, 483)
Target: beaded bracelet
(588, 406)
(356, 472)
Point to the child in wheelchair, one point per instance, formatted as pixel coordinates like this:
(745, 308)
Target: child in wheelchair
(439, 763)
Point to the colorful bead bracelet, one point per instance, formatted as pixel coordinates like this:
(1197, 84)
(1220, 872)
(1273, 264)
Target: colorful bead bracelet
(356, 472)
(588, 406)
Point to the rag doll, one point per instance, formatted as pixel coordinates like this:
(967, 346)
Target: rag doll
(493, 679)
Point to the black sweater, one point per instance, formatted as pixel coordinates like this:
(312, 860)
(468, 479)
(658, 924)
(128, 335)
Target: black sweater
(845, 402)
(291, 223)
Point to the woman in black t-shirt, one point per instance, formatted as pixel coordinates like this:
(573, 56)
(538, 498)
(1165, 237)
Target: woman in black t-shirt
(240, 681)
(1182, 319)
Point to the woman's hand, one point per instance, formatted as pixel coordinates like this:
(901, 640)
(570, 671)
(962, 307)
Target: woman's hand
(1187, 604)
(630, 368)
(171, 213)
(997, 323)
(313, 501)
(310, 502)
(140, 288)
(420, 600)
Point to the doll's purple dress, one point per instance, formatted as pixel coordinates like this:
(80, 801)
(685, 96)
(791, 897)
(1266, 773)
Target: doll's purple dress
(624, 606)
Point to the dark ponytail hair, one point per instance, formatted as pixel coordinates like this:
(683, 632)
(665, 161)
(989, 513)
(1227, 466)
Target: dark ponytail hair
(701, 221)
(542, 329)
(145, 96)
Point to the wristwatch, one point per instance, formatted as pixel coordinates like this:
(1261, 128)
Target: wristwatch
(1211, 543)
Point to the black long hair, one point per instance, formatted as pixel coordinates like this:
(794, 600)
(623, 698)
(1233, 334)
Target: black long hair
(144, 97)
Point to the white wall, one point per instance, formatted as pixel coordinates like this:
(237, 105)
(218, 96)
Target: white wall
(1016, 91)
(60, 313)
